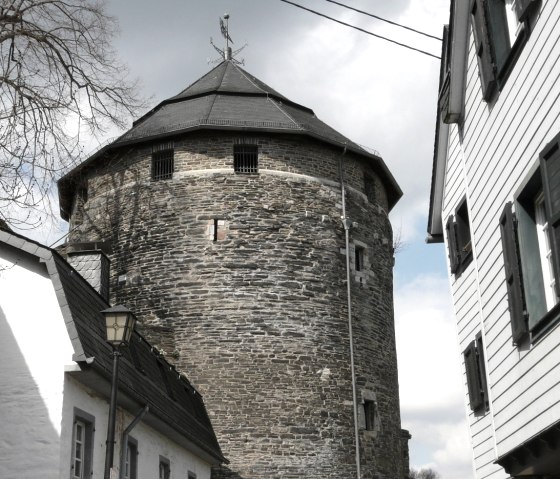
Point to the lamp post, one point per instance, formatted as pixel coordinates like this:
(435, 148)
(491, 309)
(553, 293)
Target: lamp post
(119, 324)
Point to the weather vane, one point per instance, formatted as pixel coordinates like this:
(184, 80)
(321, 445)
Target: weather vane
(226, 53)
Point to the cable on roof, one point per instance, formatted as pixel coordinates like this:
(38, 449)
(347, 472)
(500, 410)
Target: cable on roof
(362, 30)
(385, 20)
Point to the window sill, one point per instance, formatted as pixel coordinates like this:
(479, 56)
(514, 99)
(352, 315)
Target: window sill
(547, 322)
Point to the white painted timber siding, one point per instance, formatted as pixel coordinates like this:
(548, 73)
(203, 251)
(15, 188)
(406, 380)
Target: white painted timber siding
(34, 347)
(501, 142)
(151, 444)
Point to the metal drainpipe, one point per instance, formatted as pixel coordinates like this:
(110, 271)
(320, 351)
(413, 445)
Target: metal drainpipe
(347, 225)
(124, 442)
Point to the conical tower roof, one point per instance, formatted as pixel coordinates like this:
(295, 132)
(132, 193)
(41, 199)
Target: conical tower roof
(230, 98)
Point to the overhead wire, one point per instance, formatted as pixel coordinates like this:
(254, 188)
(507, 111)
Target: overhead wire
(385, 20)
(404, 45)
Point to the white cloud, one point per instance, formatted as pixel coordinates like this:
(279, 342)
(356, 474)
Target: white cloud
(432, 396)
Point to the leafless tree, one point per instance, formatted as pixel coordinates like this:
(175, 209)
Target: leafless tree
(59, 79)
(423, 474)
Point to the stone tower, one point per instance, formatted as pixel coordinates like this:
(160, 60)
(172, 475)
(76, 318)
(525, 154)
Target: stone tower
(222, 214)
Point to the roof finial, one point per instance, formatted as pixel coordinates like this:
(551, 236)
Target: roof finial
(226, 54)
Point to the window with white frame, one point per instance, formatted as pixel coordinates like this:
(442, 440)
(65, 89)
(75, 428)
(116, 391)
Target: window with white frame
(164, 468)
(530, 229)
(545, 252)
(131, 459)
(82, 445)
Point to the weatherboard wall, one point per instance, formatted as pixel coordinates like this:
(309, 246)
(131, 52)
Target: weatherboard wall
(489, 158)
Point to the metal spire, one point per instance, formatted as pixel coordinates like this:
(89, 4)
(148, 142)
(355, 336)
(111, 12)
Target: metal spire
(226, 53)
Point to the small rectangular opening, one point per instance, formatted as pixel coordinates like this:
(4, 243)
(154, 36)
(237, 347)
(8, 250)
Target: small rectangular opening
(245, 159)
(369, 188)
(359, 258)
(162, 165)
(369, 410)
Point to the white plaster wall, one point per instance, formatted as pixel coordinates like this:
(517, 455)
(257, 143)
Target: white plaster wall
(34, 347)
(151, 444)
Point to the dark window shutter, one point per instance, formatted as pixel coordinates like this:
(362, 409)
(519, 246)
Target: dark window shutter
(484, 55)
(550, 171)
(452, 243)
(498, 32)
(523, 7)
(476, 398)
(513, 274)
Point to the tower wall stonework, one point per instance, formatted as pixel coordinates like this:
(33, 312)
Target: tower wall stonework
(241, 279)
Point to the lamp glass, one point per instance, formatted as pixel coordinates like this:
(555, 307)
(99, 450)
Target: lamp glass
(119, 326)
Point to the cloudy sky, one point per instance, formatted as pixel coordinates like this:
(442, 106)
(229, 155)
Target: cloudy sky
(378, 94)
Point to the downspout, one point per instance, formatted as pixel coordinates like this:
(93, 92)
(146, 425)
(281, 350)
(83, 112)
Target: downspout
(347, 225)
(124, 442)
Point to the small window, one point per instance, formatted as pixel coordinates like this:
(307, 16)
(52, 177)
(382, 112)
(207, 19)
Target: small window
(164, 468)
(500, 29)
(162, 165)
(369, 412)
(131, 459)
(459, 239)
(245, 159)
(369, 188)
(359, 258)
(476, 375)
(82, 445)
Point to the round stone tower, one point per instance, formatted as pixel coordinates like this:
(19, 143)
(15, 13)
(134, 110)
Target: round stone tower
(232, 218)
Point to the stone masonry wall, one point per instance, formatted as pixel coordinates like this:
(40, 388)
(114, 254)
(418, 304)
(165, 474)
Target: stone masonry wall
(241, 279)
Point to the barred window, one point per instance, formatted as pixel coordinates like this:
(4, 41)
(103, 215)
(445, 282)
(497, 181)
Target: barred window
(162, 165)
(245, 159)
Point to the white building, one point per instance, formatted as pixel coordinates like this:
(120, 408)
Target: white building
(55, 370)
(495, 201)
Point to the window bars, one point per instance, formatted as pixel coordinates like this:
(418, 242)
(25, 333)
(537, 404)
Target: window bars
(162, 165)
(245, 159)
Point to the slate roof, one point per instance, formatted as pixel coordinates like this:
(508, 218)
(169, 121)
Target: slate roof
(229, 98)
(144, 375)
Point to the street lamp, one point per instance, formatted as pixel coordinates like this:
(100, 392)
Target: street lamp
(119, 324)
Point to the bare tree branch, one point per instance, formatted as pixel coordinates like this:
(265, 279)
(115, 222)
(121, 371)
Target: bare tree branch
(58, 70)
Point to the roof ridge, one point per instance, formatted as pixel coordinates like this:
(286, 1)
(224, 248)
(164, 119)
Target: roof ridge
(271, 99)
(197, 81)
(244, 73)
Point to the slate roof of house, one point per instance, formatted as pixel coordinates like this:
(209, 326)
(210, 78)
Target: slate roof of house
(229, 98)
(144, 375)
